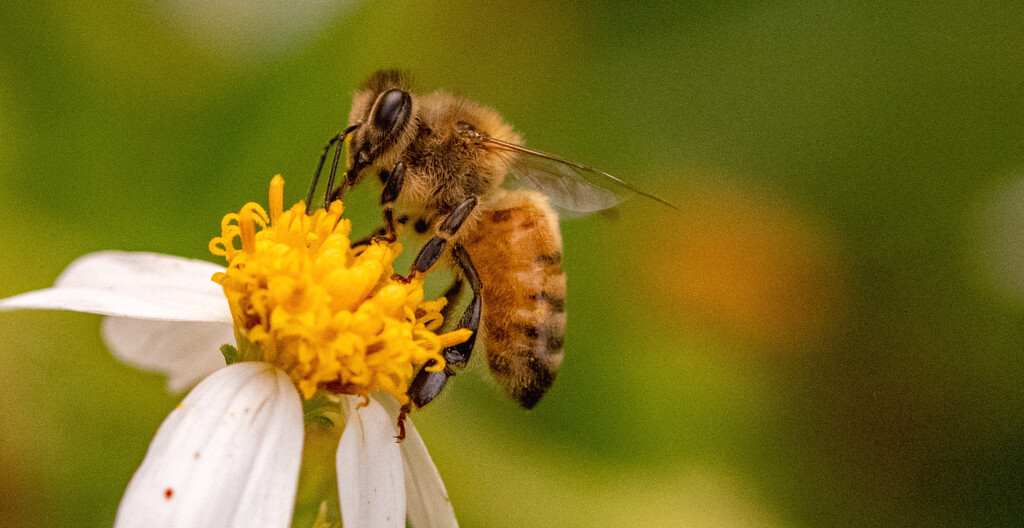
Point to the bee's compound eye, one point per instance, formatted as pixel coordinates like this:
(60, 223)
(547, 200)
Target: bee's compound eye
(393, 108)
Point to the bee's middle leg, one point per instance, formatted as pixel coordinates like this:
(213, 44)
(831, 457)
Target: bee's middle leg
(434, 248)
(427, 384)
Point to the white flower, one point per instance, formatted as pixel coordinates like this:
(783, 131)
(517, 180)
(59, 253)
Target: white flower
(229, 455)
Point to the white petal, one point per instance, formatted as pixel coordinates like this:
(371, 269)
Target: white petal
(183, 350)
(426, 496)
(229, 455)
(371, 486)
(145, 285)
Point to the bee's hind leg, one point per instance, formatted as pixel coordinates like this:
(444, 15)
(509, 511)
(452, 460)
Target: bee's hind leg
(427, 385)
(459, 354)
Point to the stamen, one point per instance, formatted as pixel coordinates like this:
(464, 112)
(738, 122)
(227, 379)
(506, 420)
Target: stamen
(276, 198)
(454, 338)
(247, 225)
(224, 245)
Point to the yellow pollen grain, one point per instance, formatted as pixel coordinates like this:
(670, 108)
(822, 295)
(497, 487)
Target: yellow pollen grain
(329, 315)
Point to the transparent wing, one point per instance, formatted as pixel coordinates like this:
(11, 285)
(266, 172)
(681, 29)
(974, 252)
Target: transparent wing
(568, 185)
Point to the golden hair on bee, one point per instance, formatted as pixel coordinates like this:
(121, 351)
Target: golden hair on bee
(455, 171)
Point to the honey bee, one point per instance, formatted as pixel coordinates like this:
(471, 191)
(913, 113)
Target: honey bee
(458, 173)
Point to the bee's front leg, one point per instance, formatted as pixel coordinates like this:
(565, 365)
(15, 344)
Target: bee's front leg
(331, 194)
(392, 188)
(377, 234)
(320, 165)
(427, 385)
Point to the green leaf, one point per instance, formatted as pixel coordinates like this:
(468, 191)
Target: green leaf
(231, 354)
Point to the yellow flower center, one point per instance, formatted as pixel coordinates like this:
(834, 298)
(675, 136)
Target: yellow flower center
(331, 316)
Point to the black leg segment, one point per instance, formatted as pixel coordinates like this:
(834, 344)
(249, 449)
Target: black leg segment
(433, 249)
(427, 385)
(392, 188)
(454, 220)
(393, 185)
(459, 354)
(452, 295)
(428, 255)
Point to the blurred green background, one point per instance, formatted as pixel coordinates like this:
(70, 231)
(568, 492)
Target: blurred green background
(829, 332)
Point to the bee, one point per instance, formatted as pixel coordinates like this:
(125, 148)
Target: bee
(456, 172)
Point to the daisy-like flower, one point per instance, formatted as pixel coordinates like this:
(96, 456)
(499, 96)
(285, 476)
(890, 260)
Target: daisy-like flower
(311, 317)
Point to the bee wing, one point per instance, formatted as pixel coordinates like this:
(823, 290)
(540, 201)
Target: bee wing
(570, 186)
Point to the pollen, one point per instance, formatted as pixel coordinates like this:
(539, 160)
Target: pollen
(332, 316)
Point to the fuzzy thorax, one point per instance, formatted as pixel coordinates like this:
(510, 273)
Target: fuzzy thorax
(329, 315)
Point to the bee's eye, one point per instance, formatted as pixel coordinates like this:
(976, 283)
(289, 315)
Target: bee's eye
(392, 110)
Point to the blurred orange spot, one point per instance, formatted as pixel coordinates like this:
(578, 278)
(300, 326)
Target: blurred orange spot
(750, 267)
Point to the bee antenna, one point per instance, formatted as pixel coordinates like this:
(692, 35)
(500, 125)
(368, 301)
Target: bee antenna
(340, 140)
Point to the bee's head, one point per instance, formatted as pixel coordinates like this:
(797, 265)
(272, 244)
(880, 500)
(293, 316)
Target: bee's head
(383, 110)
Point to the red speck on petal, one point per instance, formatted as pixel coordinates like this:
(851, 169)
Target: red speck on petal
(168, 493)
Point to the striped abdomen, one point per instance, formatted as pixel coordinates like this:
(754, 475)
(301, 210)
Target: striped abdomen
(517, 251)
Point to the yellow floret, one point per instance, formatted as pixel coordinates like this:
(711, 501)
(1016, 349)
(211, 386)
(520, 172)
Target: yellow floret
(330, 315)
